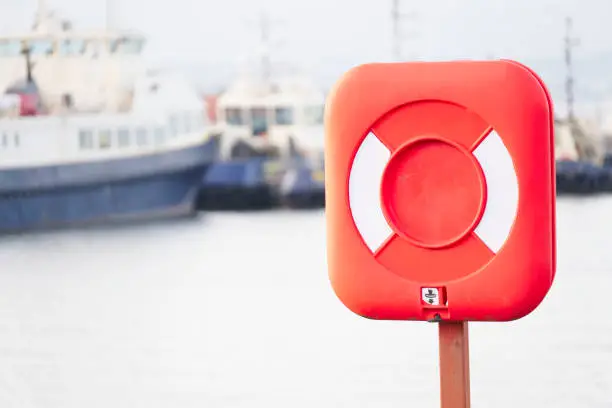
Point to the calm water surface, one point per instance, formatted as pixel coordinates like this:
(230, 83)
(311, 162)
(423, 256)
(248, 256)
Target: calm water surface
(235, 310)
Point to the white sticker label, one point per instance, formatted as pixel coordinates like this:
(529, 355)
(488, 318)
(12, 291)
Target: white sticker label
(430, 296)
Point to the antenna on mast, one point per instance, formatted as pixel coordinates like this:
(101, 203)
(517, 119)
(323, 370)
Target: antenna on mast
(266, 65)
(266, 45)
(42, 7)
(397, 16)
(263, 48)
(585, 146)
(41, 14)
(570, 43)
(108, 15)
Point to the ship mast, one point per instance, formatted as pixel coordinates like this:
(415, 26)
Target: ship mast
(585, 146)
(397, 48)
(570, 43)
(108, 15)
(397, 17)
(266, 65)
(41, 15)
(42, 7)
(259, 58)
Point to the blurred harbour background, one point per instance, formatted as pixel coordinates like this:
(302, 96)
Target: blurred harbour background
(235, 310)
(132, 132)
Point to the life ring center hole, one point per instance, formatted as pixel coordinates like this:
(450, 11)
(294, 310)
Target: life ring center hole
(432, 192)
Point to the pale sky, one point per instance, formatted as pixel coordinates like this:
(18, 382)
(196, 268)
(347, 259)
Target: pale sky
(324, 37)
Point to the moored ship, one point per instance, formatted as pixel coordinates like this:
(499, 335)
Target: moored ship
(88, 134)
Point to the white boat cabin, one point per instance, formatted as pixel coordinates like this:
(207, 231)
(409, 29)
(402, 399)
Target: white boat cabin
(287, 114)
(84, 70)
(70, 95)
(578, 142)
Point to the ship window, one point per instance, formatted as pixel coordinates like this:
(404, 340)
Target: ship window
(187, 123)
(283, 116)
(41, 47)
(104, 139)
(174, 126)
(17, 139)
(86, 139)
(4, 140)
(160, 135)
(233, 116)
(72, 47)
(10, 48)
(126, 46)
(259, 121)
(141, 136)
(123, 137)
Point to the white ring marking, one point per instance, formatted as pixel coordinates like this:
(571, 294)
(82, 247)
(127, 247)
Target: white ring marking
(364, 191)
(500, 208)
(502, 192)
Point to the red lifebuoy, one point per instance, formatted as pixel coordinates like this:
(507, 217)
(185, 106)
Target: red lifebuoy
(440, 190)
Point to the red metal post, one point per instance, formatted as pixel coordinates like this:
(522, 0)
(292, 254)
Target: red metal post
(454, 365)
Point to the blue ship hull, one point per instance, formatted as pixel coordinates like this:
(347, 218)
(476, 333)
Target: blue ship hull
(582, 178)
(244, 184)
(159, 185)
(238, 184)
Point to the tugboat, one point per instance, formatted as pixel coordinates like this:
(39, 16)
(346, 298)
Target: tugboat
(579, 160)
(271, 144)
(578, 149)
(239, 184)
(303, 187)
(88, 135)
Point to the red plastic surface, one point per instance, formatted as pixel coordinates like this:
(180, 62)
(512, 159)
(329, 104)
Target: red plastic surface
(432, 116)
(418, 206)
